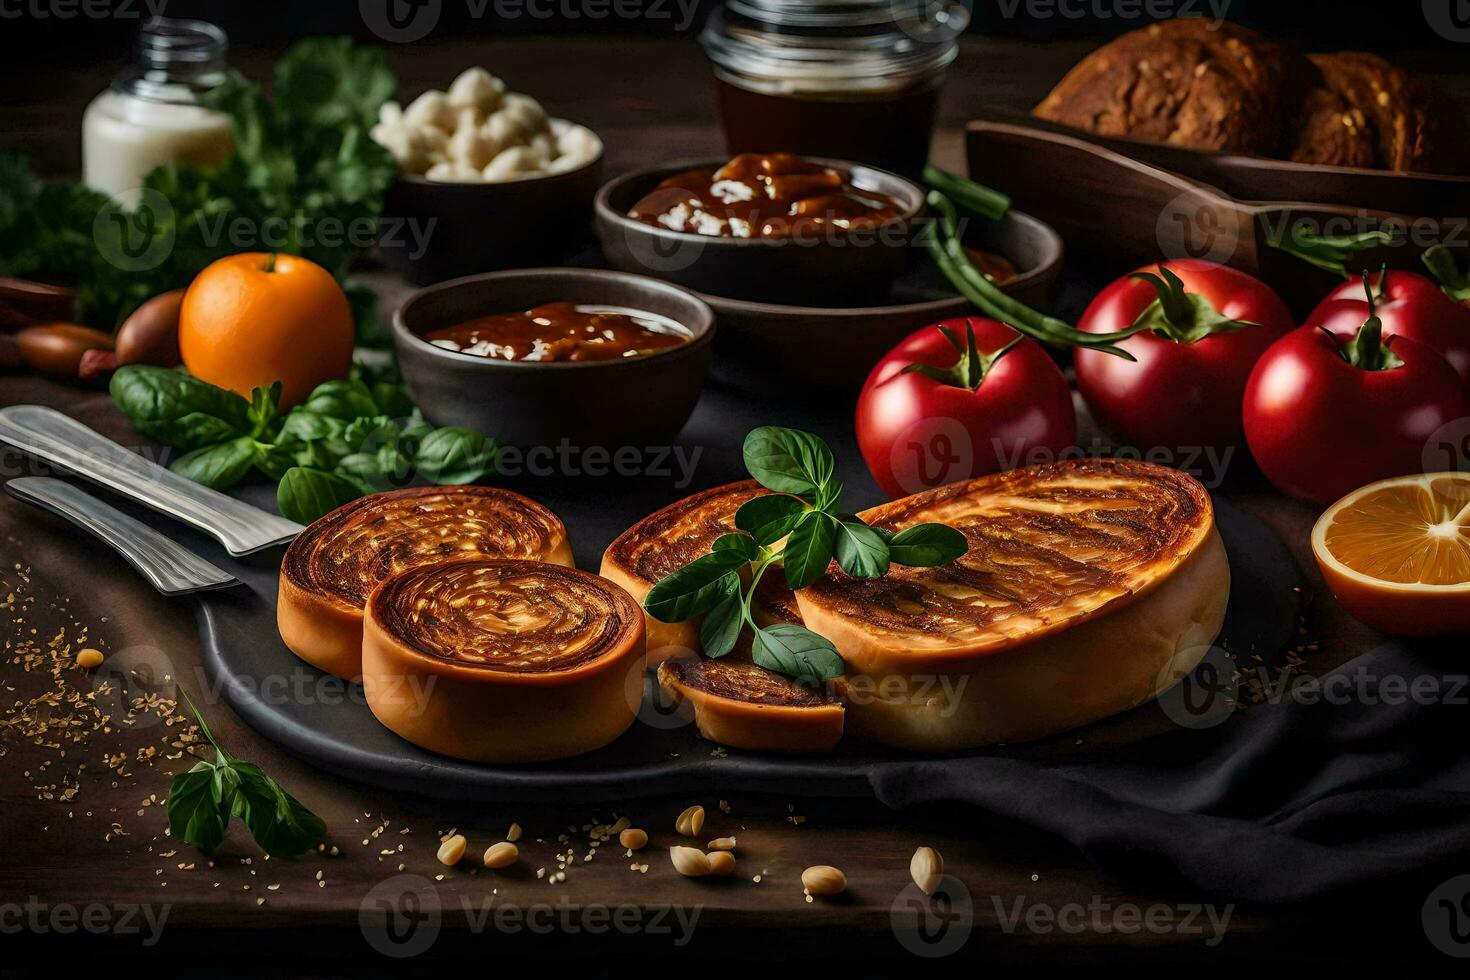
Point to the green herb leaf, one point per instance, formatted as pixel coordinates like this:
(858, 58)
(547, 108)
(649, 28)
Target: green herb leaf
(453, 455)
(197, 814)
(796, 652)
(305, 495)
(346, 400)
(927, 545)
(176, 409)
(220, 466)
(808, 550)
(721, 626)
(769, 518)
(788, 460)
(861, 551)
(742, 544)
(276, 819)
(696, 588)
(202, 801)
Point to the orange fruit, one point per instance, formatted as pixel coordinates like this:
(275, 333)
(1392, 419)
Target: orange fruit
(1396, 553)
(255, 318)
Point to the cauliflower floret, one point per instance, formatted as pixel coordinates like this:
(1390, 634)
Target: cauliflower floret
(430, 111)
(516, 162)
(477, 89)
(452, 172)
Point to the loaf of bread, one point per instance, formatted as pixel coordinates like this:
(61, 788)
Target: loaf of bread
(1368, 113)
(1187, 82)
(1194, 83)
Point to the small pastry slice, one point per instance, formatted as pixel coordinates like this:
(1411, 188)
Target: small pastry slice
(495, 660)
(667, 540)
(739, 704)
(331, 567)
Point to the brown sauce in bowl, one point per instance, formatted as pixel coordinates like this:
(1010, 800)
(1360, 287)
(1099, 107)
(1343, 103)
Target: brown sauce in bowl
(776, 195)
(561, 332)
(997, 268)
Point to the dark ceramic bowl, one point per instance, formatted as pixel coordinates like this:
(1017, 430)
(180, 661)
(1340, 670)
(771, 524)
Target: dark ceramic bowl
(764, 347)
(836, 268)
(432, 230)
(638, 401)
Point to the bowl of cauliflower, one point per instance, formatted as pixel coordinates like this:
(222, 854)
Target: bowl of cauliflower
(487, 180)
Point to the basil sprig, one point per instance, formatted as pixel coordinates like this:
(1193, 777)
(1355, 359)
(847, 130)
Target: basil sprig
(202, 801)
(804, 510)
(349, 438)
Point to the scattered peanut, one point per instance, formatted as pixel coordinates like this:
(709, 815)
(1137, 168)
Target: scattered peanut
(501, 855)
(90, 658)
(720, 863)
(823, 879)
(926, 867)
(633, 839)
(514, 833)
(691, 821)
(689, 861)
(452, 850)
(721, 844)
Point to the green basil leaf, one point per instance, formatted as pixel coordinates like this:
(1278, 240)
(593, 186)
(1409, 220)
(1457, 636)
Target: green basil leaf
(696, 588)
(742, 544)
(262, 411)
(796, 652)
(304, 426)
(392, 399)
(788, 460)
(196, 813)
(770, 517)
(305, 495)
(860, 550)
(721, 626)
(927, 545)
(176, 409)
(808, 551)
(274, 459)
(453, 455)
(345, 400)
(220, 466)
(276, 819)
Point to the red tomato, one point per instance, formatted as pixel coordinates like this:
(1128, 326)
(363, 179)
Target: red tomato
(917, 431)
(1410, 305)
(1179, 393)
(1320, 427)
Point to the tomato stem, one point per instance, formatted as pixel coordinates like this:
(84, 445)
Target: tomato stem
(1367, 351)
(1179, 315)
(270, 262)
(971, 367)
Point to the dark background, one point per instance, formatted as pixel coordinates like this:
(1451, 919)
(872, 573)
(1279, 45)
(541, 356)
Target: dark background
(37, 36)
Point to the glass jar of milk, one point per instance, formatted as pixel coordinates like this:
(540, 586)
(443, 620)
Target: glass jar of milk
(151, 115)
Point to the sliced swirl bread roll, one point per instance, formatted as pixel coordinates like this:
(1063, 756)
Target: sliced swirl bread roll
(331, 567)
(667, 540)
(503, 661)
(1089, 587)
(739, 704)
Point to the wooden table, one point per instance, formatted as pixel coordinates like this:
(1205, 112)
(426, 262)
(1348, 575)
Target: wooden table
(104, 847)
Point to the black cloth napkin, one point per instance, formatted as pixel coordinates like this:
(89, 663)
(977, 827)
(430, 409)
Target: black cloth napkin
(1288, 800)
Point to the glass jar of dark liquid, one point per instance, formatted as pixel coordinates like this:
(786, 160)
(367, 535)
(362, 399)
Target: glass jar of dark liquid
(844, 79)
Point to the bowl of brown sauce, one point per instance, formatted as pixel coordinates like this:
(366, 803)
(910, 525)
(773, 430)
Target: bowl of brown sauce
(552, 357)
(769, 227)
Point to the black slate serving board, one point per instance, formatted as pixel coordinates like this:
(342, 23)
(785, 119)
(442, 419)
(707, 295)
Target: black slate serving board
(326, 722)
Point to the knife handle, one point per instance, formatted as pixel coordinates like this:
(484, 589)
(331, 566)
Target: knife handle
(170, 567)
(68, 445)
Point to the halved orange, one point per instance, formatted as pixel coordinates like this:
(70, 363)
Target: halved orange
(1396, 553)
